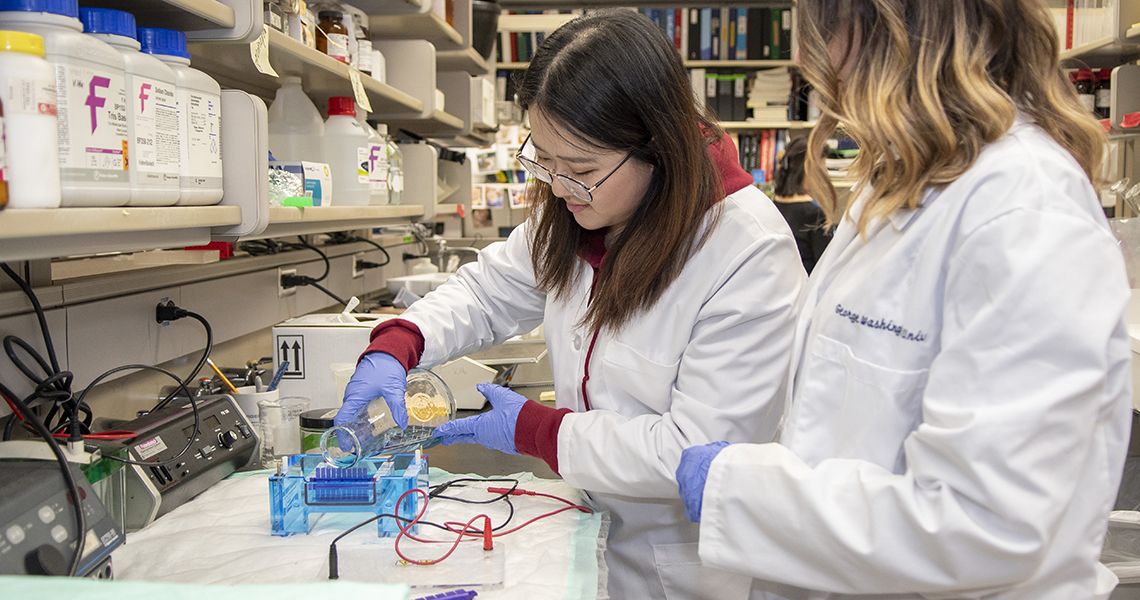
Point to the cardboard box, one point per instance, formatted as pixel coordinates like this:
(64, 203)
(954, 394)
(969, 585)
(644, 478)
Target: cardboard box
(316, 346)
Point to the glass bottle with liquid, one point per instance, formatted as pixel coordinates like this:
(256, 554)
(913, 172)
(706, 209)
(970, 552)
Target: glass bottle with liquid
(332, 36)
(373, 431)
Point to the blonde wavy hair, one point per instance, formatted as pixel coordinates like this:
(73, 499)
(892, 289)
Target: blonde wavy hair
(924, 85)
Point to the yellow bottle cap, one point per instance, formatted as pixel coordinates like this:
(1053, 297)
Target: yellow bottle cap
(19, 41)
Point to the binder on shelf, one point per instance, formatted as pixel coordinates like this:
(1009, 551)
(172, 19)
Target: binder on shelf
(714, 33)
(739, 96)
(706, 34)
(724, 98)
(785, 34)
(694, 35)
(742, 34)
(759, 42)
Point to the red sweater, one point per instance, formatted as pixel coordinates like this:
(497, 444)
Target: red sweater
(536, 431)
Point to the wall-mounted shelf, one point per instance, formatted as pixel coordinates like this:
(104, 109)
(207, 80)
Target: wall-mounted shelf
(421, 26)
(322, 76)
(48, 233)
(392, 7)
(467, 60)
(528, 23)
(1106, 53)
(439, 124)
(287, 220)
(692, 64)
(742, 64)
(183, 15)
(754, 125)
(447, 209)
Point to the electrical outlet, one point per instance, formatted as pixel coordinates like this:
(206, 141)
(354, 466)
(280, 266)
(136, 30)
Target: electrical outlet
(356, 271)
(283, 291)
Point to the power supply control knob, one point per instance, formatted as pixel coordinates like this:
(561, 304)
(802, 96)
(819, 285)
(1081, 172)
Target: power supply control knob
(227, 439)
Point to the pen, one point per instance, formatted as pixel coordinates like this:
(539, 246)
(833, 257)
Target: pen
(220, 374)
(273, 383)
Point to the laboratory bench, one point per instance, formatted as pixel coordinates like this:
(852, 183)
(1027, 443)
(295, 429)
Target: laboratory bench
(222, 540)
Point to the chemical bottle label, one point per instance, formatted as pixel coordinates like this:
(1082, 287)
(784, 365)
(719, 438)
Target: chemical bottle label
(364, 164)
(338, 46)
(1103, 98)
(379, 176)
(156, 141)
(92, 108)
(364, 55)
(30, 97)
(202, 142)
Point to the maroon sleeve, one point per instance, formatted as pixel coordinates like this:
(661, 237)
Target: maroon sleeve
(399, 338)
(727, 161)
(536, 431)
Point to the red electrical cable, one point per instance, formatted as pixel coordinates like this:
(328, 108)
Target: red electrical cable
(463, 530)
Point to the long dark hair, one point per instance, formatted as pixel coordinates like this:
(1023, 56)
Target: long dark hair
(790, 171)
(613, 79)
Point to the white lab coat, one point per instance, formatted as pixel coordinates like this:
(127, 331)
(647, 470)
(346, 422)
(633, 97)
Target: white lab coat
(960, 407)
(706, 363)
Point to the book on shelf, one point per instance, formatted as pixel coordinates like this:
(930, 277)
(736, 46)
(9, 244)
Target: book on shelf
(723, 33)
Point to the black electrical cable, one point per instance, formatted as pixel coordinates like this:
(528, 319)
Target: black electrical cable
(180, 312)
(68, 476)
(55, 384)
(324, 257)
(434, 491)
(343, 238)
(182, 387)
(327, 292)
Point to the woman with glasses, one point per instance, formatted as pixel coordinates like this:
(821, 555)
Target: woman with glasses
(959, 402)
(667, 285)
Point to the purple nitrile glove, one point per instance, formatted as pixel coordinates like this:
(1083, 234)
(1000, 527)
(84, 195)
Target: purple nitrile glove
(494, 429)
(691, 475)
(377, 375)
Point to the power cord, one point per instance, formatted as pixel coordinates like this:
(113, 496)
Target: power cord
(166, 312)
(341, 237)
(290, 280)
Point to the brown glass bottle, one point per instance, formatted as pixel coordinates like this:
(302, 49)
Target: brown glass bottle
(332, 37)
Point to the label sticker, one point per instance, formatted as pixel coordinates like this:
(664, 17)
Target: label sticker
(150, 447)
(259, 51)
(358, 90)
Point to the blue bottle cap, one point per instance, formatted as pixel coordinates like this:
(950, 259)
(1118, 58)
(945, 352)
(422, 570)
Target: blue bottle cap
(67, 8)
(168, 42)
(109, 21)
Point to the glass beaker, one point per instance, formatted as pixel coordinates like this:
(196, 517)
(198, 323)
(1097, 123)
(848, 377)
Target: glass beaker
(279, 425)
(372, 431)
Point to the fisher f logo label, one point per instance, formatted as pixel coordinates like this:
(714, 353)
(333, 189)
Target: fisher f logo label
(372, 156)
(94, 100)
(143, 96)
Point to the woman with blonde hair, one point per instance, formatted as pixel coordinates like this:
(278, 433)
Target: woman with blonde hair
(959, 398)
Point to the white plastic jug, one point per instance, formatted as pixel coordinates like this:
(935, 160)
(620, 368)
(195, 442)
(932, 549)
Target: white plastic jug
(346, 152)
(295, 125)
(377, 161)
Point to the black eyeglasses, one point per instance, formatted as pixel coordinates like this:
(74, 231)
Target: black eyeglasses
(578, 189)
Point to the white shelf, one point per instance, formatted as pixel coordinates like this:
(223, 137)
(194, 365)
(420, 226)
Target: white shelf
(744, 64)
(754, 125)
(536, 23)
(49, 233)
(440, 124)
(289, 220)
(1107, 52)
(421, 26)
(467, 60)
(447, 209)
(690, 64)
(391, 7)
(183, 15)
(322, 76)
